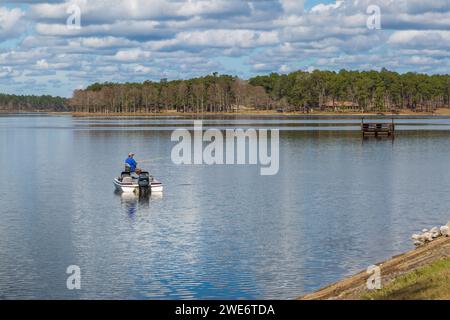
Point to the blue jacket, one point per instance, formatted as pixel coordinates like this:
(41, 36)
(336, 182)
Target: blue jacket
(132, 163)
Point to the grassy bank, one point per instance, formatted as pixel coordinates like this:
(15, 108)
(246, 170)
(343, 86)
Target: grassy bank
(423, 273)
(431, 282)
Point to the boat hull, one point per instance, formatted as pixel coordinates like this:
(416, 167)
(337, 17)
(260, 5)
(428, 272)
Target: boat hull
(156, 186)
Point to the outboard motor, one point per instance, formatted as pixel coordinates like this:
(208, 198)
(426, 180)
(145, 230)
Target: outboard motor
(144, 179)
(144, 183)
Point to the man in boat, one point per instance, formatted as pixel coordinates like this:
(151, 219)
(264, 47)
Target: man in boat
(131, 164)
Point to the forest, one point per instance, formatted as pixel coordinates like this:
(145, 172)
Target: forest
(213, 93)
(366, 91)
(300, 91)
(16, 103)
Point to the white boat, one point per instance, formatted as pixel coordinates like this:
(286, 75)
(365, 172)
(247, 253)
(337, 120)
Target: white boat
(143, 182)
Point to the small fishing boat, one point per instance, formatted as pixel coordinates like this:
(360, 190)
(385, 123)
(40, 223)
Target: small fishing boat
(143, 182)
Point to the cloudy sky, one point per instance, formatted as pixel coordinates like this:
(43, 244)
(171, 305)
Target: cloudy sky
(135, 40)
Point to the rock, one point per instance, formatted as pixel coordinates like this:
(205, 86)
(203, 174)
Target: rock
(416, 237)
(427, 236)
(445, 231)
(418, 240)
(418, 243)
(435, 232)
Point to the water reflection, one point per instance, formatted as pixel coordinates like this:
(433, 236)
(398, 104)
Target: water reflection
(134, 203)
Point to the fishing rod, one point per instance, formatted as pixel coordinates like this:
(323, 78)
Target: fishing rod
(149, 160)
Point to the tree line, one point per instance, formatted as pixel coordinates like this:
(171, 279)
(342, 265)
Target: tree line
(366, 91)
(213, 93)
(14, 103)
(359, 90)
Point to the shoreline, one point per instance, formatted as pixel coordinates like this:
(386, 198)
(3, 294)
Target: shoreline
(392, 270)
(442, 112)
(409, 113)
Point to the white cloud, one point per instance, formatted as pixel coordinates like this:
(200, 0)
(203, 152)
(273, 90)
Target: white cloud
(8, 73)
(140, 69)
(321, 7)
(42, 64)
(227, 38)
(132, 55)
(10, 22)
(293, 6)
(421, 39)
(104, 42)
(136, 40)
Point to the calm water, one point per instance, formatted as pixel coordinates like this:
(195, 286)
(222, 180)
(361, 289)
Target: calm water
(337, 206)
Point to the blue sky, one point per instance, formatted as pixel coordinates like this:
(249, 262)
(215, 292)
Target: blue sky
(136, 40)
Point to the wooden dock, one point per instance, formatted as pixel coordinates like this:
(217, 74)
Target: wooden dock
(371, 129)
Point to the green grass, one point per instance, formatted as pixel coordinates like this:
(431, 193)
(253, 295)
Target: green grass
(431, 282)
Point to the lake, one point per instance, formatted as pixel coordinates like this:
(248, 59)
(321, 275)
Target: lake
(337, 205)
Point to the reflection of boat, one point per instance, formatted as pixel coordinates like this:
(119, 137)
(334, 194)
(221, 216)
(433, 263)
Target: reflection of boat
(136, 204)
(142, 183)
(128, 197)
(133, 197)
(156, 196)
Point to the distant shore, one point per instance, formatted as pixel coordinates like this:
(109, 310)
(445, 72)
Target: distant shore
(35, 112)
(406, 112)
(173, 113)
(418, 274)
